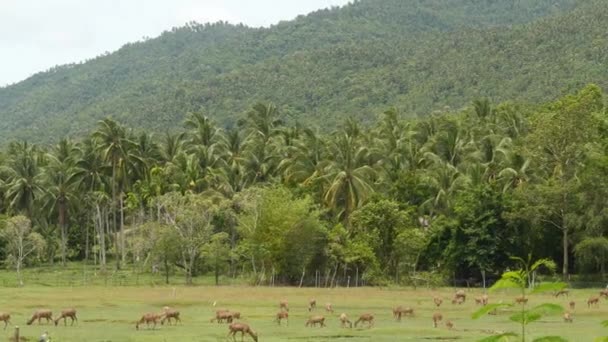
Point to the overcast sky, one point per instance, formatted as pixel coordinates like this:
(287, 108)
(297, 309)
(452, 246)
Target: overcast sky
(38, 34)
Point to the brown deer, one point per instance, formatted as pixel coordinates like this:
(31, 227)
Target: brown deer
(457, 300)
(567, 317)
(369, 318)
(449, 325)
(521, 300)
(314, 320)
(168, 315)
(283, 305)
(329, 308)
(65, 314)
(401, 311)
(437, 301)
(312, 304)
(243, 329)
(40, 314)
(593, 301)
(478, 301)
(344, 320)
(485, 300)
(151, 317)
(282, 315)
(572, 305)
(6, 318)
(563, 292)
(223, 315)
(235, 314)
(461, 296)
(437, 317)
(604, 293)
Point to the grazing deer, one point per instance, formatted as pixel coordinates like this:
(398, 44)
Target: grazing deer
(312, 304)
(567, 317)
(572, 305)
(283, 305)
(457, 300)
(235, 314)
(561, 293)
(400, 311)
(485, 300)
(461, 296)
(40, 314)
(344, 320)
(369, 318)
(6, 318)
(604, 293)
(170, 314)
(314, 320)
(478, 301)
(243, 329)
(329, 308)
(65, 314)
(521, 300)
(437, 317)
(221, 316)
(449, 325)
(148, 318)
(593, 301)
(437, 301)
(282, 315)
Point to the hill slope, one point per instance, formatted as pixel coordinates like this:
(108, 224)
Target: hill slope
(357, 60)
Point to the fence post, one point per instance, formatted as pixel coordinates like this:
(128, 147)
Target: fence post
(17, 333)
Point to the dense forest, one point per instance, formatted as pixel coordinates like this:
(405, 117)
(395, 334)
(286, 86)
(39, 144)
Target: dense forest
(418, 56)
(404, 200)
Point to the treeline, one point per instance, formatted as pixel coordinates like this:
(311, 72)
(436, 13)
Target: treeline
(451, 195)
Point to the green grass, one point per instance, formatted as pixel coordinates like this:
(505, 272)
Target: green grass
(108, 313)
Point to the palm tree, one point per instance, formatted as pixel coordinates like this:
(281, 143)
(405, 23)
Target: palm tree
(173, 145)
(62, 179)
(348, 176)
(22, 177)
(115, 146)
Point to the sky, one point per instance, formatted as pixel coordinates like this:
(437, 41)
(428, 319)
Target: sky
(38, 34)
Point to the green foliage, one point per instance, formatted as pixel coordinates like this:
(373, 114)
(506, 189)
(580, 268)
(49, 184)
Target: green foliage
(322, 67)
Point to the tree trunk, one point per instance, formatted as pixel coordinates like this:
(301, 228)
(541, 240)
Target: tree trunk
(483, 278)
(166, 270)
(113, 206)
(565, 251)
(62, 226)
(123, 253)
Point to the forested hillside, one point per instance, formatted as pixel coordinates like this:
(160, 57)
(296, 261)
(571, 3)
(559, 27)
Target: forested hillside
(356, 61)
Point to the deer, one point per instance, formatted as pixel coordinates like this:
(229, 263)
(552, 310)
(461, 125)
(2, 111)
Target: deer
(312, 304)
(243, 329)
(457, 300)
(65, 314)
(40, 314)
(437, 301)
(369, 318)
(151, 317)
(283, 305)
(437, 317)
(461, 296)
(168, 315)
(572, 304)
(6, 318)
(562, 292)
(329, 308)
(344, 320)
(314, 320)
(521, 300)
(604, 293)
(593, 301)
(478, 301)
(485, 299)
(400, 311)
(222, 315)
(449, 325)
(282, 315)
(567, 317)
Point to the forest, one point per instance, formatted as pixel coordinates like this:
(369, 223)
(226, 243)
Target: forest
(418, 56)
(444, 198)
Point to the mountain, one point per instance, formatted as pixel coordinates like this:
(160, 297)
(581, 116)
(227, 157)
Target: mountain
(417, 55)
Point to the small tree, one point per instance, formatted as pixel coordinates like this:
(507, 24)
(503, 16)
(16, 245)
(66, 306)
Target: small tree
(521, 280)
(21, 242)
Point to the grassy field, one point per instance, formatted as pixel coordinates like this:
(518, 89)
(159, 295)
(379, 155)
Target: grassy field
(109, 313)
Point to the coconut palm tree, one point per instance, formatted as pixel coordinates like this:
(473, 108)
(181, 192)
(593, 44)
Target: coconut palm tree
(22, 177)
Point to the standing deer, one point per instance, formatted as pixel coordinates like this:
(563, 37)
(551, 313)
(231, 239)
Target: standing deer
(65, 314)
(604, 293)
(449, 325)
(148, 318)
(567, 317)
(40, 314)
(369, 318)
(243, 329)
(344, 320)
(485, 299)
(460, 296)
(593, 301)
(283, 305)
(222, 315)
(282, 315)
(437, 301)
(170, 314)
(521, 300)
(312, 304)
(6, 318)
(572, 305)
(329, 308)
(437, 317)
